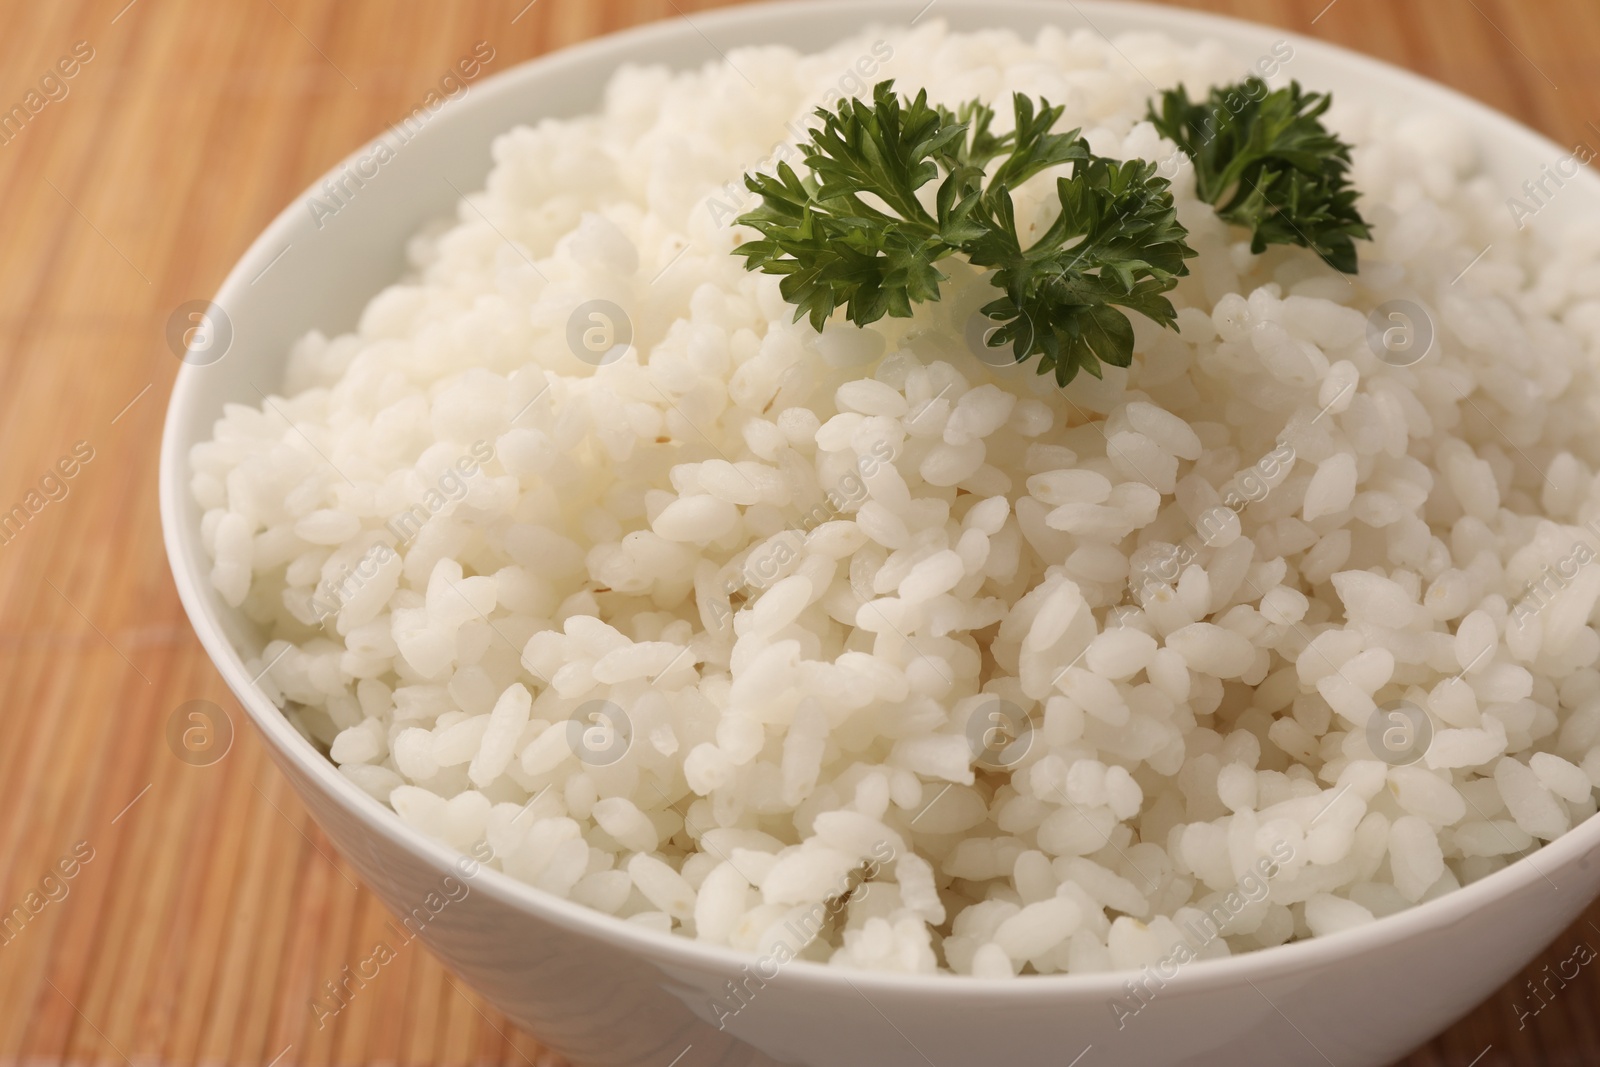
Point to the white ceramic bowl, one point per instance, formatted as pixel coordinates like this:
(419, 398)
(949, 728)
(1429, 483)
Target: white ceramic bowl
(604, 992)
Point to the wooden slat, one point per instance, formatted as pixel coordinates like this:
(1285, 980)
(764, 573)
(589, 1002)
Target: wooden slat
(213, 908)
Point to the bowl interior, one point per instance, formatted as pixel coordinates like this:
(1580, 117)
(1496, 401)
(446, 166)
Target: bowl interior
(306, 273)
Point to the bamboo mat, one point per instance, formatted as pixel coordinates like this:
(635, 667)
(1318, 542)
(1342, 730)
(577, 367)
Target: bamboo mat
(204, 908)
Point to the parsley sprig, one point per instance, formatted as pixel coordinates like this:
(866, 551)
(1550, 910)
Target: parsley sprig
(858, 232)
(1264, 161)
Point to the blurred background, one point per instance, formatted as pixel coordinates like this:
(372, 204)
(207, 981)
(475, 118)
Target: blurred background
(143, 145)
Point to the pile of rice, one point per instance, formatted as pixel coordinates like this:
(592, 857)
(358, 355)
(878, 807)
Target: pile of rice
(863, 645)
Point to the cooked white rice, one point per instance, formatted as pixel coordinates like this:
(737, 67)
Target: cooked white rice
(886, 624)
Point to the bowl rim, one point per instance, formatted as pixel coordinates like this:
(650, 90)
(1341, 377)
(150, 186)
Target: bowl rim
(674, 950)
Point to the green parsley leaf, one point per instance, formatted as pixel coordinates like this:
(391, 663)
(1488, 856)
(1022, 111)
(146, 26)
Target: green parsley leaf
(856, 232)
(1265, 162)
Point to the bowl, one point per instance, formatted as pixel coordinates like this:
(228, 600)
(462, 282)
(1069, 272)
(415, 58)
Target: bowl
(603, 992)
